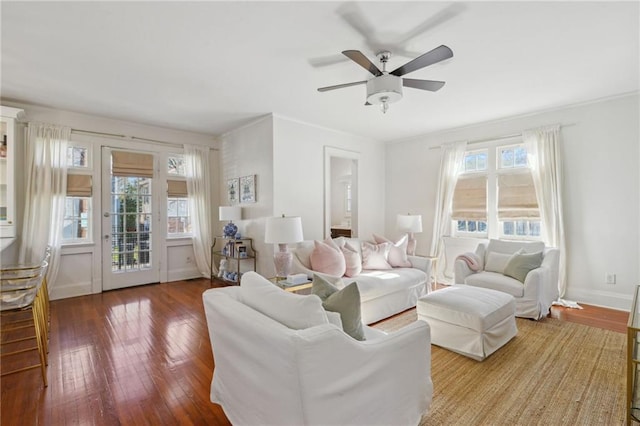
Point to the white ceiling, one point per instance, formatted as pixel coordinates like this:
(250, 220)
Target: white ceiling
(212, 66)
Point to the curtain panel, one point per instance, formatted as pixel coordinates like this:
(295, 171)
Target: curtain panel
(546, 170)
(450, 169)
(45, 194)
(199, 193)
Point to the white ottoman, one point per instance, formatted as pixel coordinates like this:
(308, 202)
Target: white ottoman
(471, 321)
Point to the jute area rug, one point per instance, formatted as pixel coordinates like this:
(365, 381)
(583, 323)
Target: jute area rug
(552, 373)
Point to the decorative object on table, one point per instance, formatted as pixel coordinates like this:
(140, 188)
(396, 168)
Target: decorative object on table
(238, 236)
(410, 224)
(222, 269)
(282, 231)
(248, 189)
(233, 190)
(242, 251)
(230, 213)
(297, 279)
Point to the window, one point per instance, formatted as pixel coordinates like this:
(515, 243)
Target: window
(76, 218)
(178, 217)
(495, 196)
(76, 225)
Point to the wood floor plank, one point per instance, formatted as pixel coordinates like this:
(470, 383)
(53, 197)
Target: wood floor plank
(142, 356)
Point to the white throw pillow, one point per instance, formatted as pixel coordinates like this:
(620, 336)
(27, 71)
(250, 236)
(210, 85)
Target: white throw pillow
(496, 262)
(352, 260)
(292, 310)
(397, 252)
(374, 256)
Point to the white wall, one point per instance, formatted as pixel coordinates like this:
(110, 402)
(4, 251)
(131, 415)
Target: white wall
(288, 158)
(249, 151)
(600, 146)
(80, 270)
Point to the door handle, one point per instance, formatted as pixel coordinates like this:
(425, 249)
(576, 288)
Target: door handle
(106, 214)
(106, 237)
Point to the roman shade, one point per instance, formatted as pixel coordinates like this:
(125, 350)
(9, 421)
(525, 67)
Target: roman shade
(517, 197)
(125, 163)
(177, 188)
(470, 198)
(79, 185)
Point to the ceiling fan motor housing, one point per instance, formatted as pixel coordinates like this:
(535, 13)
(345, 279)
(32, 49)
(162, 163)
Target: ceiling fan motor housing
(384, 88)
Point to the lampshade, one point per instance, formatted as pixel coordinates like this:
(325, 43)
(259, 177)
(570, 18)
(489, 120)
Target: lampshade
(283, 230)
(230, 213)
(409, 223)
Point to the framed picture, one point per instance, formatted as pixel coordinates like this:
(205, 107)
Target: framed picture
(233, 190)
(248, 189)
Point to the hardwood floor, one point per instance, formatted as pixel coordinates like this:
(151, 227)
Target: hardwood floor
(142, 356)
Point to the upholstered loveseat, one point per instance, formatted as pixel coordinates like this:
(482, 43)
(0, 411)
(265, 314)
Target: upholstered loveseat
(498, 268)
(383, 292)
(280, 360)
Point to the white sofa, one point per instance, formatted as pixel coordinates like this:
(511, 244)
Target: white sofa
(383, 293)
(533, 296)
(267, 373)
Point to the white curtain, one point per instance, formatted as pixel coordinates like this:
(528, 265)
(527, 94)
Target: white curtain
(45, 194)
(450, 168)
(199, 190)
(546, 168)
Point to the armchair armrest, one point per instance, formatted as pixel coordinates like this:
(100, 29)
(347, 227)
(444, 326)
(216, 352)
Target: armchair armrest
(400, 363)
(420, 262)
(461, 271)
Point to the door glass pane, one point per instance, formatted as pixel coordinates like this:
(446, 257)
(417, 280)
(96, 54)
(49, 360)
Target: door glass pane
(131, 223)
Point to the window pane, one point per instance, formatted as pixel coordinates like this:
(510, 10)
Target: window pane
(175, 165)
(482, 161)
(521, 228)
(482, 226)
(521, 157)
(507, 228)
(172, 207)
(471, 225)
(462, 225)
(470, 163)
(506, 158)
(182, 208)
(77, 156)
(535, 229)
(76, 218)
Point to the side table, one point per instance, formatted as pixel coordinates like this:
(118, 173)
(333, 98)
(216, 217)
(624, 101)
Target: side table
(292, 288)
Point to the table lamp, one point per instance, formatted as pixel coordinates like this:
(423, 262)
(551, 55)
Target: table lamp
(282, 231)
(410, 224)
(230, 213)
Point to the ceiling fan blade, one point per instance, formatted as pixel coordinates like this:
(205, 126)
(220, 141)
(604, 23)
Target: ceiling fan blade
(434, 56)
(359, 58)
(353, 15)
(340, 86)
(327, 60)
(430, 85)
(433, 21)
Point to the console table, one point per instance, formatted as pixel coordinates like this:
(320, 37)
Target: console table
(633, 361)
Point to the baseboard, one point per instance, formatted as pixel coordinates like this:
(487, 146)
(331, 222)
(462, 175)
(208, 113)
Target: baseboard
(73, 290)
(183, 274)
(605, 299)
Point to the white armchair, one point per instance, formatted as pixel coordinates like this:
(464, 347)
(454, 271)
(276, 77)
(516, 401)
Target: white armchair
(269, 374)
(538, 290)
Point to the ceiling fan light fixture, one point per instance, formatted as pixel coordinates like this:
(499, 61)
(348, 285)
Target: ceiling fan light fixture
(383, 90)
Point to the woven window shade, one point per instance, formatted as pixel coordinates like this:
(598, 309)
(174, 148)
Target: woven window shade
(470, 198)
(79, 186)
(124, 163)
(517, 197)
(177, 188)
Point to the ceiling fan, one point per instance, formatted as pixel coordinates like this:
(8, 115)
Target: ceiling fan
(386, 87)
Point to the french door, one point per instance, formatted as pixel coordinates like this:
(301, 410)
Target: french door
(130, 237)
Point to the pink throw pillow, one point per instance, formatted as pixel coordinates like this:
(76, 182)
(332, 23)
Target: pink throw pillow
(398, 252)
(352, 260)
(327, 259)
(374, 256)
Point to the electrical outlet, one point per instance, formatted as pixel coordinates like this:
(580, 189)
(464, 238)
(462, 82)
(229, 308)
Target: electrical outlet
(189, 260)
(610, 278)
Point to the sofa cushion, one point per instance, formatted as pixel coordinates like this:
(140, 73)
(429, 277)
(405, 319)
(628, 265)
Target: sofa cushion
(352, 260)
(397, 253)
(346, 302)
(496, 262)
(303, 253)
(327, 258)
(376, 284)
(510, 247)
(374, 256)
(292, 310)
(496, 281)
(520, 264)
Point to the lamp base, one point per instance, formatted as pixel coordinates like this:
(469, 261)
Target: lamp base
(230, 230)
(411, 245)
(282, 260)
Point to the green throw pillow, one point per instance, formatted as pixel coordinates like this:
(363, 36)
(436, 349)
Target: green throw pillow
(346, 302)
(520, 264)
